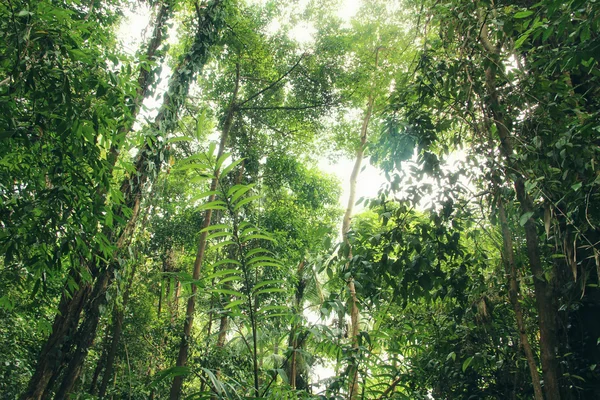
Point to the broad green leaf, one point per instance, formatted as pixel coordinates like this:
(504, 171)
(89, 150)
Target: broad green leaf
(203, 195)
(523, 14)
(227, 261)
(262, 258)
(217, 235)
(231, 166)
(258, 250)
(222, 244)
(245, 201)
(221, 160)
(213, 205)
(273, 308)
(257, 236)
(525, 217)
(214, 227)
(240, 192)
(466, 363)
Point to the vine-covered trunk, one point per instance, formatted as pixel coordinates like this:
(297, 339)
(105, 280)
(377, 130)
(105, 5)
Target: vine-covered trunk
(513, 294)
(198, 262)
(117, 328)
(151, 154)
(51, 358)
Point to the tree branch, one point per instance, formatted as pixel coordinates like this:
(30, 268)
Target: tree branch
(255, 95)
(287, 107)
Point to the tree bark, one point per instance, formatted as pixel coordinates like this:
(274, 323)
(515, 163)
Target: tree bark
(513, 294)
(117, 328)
(182, 357)
(544, 293)
(51, 357)
(101, 362)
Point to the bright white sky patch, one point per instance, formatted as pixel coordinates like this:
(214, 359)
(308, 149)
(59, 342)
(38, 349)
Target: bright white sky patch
(348, 9)
(303, 33)
(369, 181)
(132, 29)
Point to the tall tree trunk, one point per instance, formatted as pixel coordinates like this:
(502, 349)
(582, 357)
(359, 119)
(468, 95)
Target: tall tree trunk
(293, 338)
(191, 304)
(51, 357)
(513, 294)
(71, 304)
(117, 328)
(101, 362)
(544, 291)
(353, 391)
(150, 154)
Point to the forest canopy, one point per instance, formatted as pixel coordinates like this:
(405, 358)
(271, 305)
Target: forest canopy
(181, 212)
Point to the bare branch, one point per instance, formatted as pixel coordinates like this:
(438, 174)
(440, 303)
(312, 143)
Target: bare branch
(255, 95)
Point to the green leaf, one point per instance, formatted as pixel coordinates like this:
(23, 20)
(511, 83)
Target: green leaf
(265, 283)
(273, 308)
(262, 258)
(466, 363)
(523, 14)
(246, 201)
(269, 290)
(525, 217)
(222, 272)
(576, 186)
(234, 304)
(215, 227)
(227, 291)
(217, 235)
(203, 195)
(239, 192)
(258, 236)
(519, 42)
(231, 166)
(221, 160)
(213, 205)
(222, 244)
(257, 251)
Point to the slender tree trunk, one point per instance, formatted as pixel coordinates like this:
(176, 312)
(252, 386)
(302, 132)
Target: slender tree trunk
(101, 362)
(191, 304)
(353, 391)
(293, 338)
(222, 336)
(176, 300)
(513, 294)
(544, 292)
